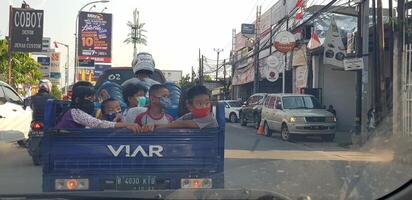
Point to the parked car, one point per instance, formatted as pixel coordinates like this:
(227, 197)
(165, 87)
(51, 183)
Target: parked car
(297, 114)
(251, 109)
(232, 108)
(15, 116)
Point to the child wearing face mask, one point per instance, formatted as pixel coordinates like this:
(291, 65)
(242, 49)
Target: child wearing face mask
(159, 100)
(111, 110)
(135, 97)
(198, 103)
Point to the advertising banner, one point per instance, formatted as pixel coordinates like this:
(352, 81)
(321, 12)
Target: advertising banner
(44, 65)
(55, 62)
(334, 49)
(26, 29)
(95, 36)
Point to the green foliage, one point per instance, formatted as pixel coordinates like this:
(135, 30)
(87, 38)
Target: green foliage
(186, 82)
(207, 78)
(25, 70)
(56, 92)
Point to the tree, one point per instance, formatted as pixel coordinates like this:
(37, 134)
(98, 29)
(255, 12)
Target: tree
(207, 78)
(25, 70)
(56, 92)
(186, 82)
(136, 35)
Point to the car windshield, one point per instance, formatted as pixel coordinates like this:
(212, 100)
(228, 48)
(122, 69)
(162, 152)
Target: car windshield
(235, 104)
(301, 102)
(195, 99)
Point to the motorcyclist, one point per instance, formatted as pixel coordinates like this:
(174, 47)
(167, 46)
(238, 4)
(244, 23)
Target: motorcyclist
(143, 66)
(38, 101)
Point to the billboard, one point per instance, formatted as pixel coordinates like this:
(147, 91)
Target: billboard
(26, 29)
(55, 62)
(44, 65)
(248, 29)
(95, 37)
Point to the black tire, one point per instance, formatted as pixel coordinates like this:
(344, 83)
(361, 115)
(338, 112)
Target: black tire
(243, 121)
(267, 131)
(36, 160)
(256, 118)
(22, 143)
(284, 133)
(233, 118)
(328, 138)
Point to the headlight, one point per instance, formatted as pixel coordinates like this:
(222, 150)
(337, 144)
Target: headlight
(330, 119)
(292, 119)
(71, 184)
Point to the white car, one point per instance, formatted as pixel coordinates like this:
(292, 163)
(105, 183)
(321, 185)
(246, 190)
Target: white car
(15, 117)
(232, 108)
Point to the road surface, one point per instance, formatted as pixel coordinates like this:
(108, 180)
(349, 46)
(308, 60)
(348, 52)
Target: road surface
(322, 170)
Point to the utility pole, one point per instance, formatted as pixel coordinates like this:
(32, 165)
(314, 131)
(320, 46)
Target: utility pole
(200, 68)
(9, 46)
(398, 59)
(364, 9)
(257, 46)
(224, 80)
(381, 50)
(217, 62)
(201, 71)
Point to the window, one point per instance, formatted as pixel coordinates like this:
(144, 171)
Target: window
(11, 96)
(271, 101)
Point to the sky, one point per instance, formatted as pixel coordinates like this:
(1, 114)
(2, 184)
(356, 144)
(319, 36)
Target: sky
(175, 29)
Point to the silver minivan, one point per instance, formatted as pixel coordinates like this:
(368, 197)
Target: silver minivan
(297, 114)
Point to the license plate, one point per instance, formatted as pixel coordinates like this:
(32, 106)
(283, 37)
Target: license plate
(137, 183)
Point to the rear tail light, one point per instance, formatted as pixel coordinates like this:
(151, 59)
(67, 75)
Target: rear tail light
(71, 184)
(186, 183)
(36, 126)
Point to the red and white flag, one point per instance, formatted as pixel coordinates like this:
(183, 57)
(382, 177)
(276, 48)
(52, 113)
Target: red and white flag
(314, 41)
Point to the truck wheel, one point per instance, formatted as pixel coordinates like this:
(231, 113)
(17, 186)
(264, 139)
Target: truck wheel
(233, 117)
(268, 132)
(36, 160)
(243, 121)
(284, 133)
(328, 138)
(257, 121)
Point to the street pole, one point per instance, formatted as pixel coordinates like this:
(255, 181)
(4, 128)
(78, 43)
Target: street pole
(76, 56)
(365, 71)
(9, 47)
(217, 62)
(224, 80)
(398, 60)
(381, 50)
(66, 69)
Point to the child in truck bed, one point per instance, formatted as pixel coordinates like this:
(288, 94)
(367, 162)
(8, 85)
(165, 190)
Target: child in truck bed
(155, 114)
(198, 103)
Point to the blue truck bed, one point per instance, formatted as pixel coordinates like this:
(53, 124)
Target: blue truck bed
(116, 159)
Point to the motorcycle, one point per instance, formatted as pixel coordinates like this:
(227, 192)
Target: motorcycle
(34, 142)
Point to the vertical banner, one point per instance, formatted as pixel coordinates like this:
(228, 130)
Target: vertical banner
(334, 49)
(95, 37)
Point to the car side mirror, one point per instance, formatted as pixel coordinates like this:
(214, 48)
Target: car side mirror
(278, 106)
(2, 100)
(245, 103)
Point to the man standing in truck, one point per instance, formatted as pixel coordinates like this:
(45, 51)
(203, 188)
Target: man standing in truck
(143, 66)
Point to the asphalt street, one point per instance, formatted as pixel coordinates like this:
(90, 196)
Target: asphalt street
(322, 170)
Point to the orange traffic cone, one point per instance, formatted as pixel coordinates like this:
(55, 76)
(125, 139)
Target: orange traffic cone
(261, 129)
